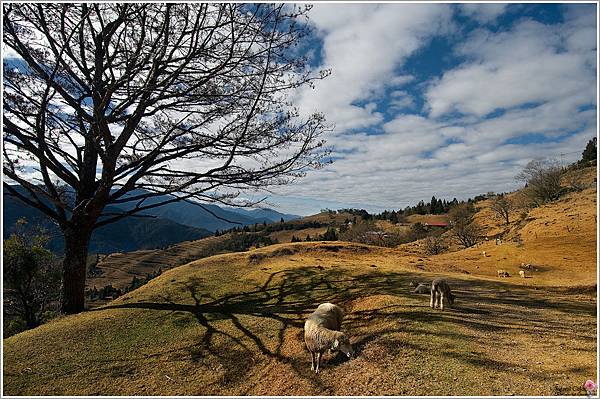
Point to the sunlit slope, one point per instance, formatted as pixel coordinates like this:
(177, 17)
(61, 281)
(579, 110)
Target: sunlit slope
(232, 325)
(558, 240)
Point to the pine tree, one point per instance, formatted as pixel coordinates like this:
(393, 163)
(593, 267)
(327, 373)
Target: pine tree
(589, 154)
(433, 205)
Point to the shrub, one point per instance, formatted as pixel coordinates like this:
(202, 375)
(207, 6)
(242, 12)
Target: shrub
(464, 229)
(435, 245)
(31, 276)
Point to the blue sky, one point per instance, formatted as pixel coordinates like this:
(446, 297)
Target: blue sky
(450, 100)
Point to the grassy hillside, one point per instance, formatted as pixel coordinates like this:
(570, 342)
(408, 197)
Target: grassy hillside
(232, 325)
(286, 235)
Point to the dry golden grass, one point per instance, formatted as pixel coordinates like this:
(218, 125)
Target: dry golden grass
(427, 218)
(326, 217)
(232, 325)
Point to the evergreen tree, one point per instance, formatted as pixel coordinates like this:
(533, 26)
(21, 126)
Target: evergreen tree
(589, 154)
(330, 235)
(433, 205)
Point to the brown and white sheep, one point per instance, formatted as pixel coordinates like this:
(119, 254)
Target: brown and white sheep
(322, 332)
(440, 294)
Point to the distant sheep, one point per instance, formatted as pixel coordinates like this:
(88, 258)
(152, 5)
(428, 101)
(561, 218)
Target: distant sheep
(522, 273)
(503, 273)
(440, 294)
(484, 254)
(422, 289)
(322, 332)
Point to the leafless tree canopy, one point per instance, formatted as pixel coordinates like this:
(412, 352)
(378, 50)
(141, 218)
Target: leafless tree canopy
(435, 245)
(184, 99)
(502, 207)
(543, 181)
(464, 228)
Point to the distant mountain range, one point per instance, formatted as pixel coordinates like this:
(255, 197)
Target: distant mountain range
(172, 223)
(264, 214)
(128, 234)
(199, 215)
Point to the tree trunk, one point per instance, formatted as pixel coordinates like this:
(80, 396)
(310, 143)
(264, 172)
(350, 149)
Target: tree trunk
(74, 269)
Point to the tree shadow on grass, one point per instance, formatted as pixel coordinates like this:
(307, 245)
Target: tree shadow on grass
(287, 297)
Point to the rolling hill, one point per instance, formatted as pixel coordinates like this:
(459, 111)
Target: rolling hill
(232, 324)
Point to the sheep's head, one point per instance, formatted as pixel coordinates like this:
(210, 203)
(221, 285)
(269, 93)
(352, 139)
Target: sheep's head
(451, 299)
(342, 344)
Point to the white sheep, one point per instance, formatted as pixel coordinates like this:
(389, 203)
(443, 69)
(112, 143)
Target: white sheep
(484, 255)
(322, 332)
(503, 273)
(422, 289)
(522, 273)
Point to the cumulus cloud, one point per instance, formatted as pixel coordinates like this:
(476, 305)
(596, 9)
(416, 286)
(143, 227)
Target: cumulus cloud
(483, 12)
(532, 63)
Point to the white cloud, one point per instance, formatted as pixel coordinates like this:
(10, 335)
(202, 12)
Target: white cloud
(483, 12)
(528, 64)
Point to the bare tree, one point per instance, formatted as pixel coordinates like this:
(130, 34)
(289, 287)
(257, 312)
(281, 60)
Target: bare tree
(109, 107)
(464, 228)
(435, 245)
(542, 178)
(502, 207)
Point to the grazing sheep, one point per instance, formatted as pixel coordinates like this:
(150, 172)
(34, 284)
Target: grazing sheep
(484, 255)
(503, 273)
(322, 331)
(522, 273)
(422, 289)
(440, 293)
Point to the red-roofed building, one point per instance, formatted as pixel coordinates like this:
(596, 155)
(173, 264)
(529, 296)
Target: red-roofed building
(436, 224)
